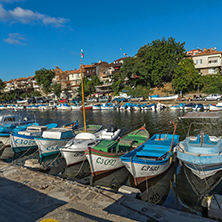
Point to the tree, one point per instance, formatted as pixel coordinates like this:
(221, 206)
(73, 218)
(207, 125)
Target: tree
(212, 83)
(44, 78)
(186, 77)
(56, 88)
(2, 85)
(89, 85)
(155, 62)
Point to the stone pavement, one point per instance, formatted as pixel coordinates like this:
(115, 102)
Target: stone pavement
(27, 195)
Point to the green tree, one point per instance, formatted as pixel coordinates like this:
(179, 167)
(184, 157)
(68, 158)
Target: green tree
(186, 77)
(2, 85)
(89, 85)
(56, 88)
(211, 83)
(155, 63)
(44, 78)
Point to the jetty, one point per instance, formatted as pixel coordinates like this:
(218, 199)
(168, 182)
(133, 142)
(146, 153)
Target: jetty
(29, 195)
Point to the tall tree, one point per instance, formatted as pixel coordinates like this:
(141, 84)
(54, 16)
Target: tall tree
(186, 77)
(2, 85)
(56, 88)
(44, 78)
(155, 62)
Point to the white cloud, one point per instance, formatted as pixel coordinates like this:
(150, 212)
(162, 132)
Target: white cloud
(15, 39)
(26, 16)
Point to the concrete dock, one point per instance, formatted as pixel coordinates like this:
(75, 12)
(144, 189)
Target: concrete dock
(27, 195)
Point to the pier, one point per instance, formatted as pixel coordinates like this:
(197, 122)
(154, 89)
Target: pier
(29, 195)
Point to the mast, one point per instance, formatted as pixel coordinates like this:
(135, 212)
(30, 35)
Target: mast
(83, 100)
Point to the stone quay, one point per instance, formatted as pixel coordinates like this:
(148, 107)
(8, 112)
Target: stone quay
(29, 195)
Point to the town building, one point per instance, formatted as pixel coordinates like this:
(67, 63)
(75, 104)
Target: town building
(207, 61)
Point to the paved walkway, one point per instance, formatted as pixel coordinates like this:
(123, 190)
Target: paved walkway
(29, 196)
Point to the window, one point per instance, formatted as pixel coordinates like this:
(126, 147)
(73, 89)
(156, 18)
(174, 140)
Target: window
(213, 60)
(198, 61)
(212, 70)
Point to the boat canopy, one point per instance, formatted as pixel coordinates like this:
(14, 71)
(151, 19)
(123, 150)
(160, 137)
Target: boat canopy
(200, 115)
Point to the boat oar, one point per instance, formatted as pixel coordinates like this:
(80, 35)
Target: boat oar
(174, 131)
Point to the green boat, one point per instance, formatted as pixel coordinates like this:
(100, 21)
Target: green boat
(89, 129)
(104, 157)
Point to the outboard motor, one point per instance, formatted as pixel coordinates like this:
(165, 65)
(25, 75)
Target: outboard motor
(112, 129)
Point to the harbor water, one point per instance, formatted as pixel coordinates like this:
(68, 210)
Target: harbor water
(177, 188)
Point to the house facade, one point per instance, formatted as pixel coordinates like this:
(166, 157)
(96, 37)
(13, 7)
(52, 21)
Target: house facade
(208, 61)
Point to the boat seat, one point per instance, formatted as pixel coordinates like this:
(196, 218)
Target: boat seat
(151, 153)
(208, 141)
(195, 141)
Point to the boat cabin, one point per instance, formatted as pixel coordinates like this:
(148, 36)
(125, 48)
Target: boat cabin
(58, 133)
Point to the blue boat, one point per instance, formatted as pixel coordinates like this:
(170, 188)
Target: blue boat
(198, 107)
(152, 158)
(24, 140)
(202, 153)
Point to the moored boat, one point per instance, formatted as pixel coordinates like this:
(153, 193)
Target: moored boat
(163, 98)
(105, 156)
(202, 153)
(73, 151)
(52, 140)
(152, 158)
(24, 140)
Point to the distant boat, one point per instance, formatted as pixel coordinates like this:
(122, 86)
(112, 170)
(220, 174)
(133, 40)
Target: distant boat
(105, 156)
(217, 107)
(160, 98)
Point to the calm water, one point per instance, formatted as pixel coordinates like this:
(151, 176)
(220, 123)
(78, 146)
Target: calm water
(178, 188)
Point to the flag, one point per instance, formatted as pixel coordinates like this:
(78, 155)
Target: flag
(82, 55)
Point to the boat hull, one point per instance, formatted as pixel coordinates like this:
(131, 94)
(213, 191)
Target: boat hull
(102, 162)
(143, 170)
(20, 143)
(49, 147)
(164, 98)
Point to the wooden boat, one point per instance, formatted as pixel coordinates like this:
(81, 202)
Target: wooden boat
(73, 151)
(152, 158)
(24, 140)
(52, 140)
(163, 98)
(202, 153)
(13, 123)
(105, 156)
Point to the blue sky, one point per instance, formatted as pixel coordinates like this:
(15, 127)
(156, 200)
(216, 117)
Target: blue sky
(39, 34)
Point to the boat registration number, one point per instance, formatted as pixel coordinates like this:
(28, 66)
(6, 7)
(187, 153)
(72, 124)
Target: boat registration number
(106, 161)
(150, 168)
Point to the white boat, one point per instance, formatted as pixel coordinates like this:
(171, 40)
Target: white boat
(52, 140)
(73, 151)
(75, 107)
(96, 107)
(64, 106)
(24, 140)
(217, 107)
(160, 98)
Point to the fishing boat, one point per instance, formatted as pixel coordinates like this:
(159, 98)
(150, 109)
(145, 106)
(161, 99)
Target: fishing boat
(198, 107)
(105, 156)
(164, 98)
(63, 106)
(11, 122)
(52, 140)
(97, 107)
(152, 158)
(215, 107)
(24, 140)
(188, 106)
(73, 151)
(150, 107)
(201, 152)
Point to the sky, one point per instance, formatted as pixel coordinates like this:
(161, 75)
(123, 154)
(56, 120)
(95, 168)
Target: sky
(37, 34)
